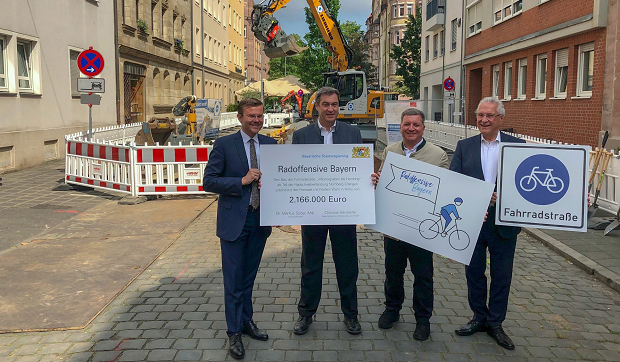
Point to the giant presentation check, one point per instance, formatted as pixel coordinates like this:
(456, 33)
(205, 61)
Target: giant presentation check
(316, 185)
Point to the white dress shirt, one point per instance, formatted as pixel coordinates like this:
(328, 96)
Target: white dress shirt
(409, 152)
(489, 155)
(246, 145)
(328, 136)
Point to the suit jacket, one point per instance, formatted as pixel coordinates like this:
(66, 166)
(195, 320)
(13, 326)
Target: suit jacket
(227, 165)
(466, 160)
(344, 133)
(429, 153)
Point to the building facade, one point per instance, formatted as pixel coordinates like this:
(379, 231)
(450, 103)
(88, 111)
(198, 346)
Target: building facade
(545, 59)
(386, 29)
(252, 49)
(210, 50)
(441, 59)
(154, 57)
(236, 63)
(39, 101)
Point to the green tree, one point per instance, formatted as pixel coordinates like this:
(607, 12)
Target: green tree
(408, 55)
(354, 34)
(277, 65)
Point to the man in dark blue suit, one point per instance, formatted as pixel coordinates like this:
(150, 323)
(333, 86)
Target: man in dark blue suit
(314, 237)
(233, 173)
(477, 157)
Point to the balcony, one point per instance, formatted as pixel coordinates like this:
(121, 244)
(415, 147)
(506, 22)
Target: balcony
(435, 14)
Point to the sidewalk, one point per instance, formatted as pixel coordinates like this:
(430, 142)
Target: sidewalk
(593, 252)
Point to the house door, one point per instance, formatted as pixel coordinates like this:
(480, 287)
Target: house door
(134, 76)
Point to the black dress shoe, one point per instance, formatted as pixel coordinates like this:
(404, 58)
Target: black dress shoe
(422, 331)
(498, 334)
(388, 318)
(471, 328)
(302, 325)
(353, 326)
(235, 346)
(251, 329)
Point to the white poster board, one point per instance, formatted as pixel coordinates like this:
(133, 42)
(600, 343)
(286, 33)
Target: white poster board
(409, 200)
(208, 113)
(316, 184)
(543, 186)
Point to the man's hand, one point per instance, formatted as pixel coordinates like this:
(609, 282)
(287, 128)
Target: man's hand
(493, 198)
(252, 175)
(485, 216)
(375, 178)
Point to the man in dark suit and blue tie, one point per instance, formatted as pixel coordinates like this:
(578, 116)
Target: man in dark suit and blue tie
(233, 172)
(477, 157)
(314, 237)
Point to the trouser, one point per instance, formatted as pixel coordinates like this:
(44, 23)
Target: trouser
(397, 253)
(344, 252)
(501, 253)
(240, 261)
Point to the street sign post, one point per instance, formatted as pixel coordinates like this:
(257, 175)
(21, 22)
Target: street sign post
(90, 62)
(91, 85)
(448, 84)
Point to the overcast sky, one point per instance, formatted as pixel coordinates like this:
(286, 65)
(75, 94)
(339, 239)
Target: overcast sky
(292, 18)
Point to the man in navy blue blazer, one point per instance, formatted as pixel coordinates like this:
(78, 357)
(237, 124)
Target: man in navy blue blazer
(477, 157)
(233, 172)
(327, 130)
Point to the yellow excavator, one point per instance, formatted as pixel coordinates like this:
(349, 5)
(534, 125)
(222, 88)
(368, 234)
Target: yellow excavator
(359, 105)
(165, 130)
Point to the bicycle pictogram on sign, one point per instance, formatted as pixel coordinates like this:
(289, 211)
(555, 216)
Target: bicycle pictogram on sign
(542, 179)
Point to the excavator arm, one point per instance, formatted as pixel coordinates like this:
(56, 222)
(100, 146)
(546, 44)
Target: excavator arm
(267, 29)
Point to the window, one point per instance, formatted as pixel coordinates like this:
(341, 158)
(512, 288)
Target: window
(453, 35)
(435, 45)
(496, 81)
(521, 86)
(426, 47)
(508, 80)
(23, 66)
(245, 31)
(409, 9)
(397, 39)
(3, 81)
(394, 11)
(561, 73)
(442, 39)
(75, 72)
(401, 7)
(585, 70)
(245, 53)
(541, 76)
(474, 19)
(505, 9)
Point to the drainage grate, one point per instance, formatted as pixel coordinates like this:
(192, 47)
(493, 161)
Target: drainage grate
(52, 207)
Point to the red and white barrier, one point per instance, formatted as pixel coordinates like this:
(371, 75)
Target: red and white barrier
(116, 165)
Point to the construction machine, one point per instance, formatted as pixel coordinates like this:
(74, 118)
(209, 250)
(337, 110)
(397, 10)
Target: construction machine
(165, 130)
(297, 97)
(359, 105)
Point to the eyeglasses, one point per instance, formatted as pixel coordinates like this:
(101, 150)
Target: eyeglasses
(486, 115)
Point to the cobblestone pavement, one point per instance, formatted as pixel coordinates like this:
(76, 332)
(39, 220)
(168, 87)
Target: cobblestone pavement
(174, 311)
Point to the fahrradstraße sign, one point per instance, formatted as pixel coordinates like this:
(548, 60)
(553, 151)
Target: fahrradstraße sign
(542, 186)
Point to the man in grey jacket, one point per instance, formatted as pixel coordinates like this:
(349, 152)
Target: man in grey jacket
(398, 252)
(314, 237)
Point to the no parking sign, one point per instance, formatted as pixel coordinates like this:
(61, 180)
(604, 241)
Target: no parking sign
(542, 186)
